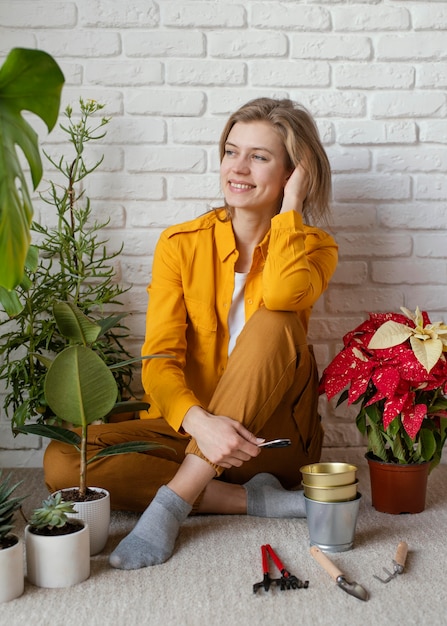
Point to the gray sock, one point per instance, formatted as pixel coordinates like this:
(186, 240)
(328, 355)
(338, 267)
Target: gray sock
(267, 498)
(152, 540)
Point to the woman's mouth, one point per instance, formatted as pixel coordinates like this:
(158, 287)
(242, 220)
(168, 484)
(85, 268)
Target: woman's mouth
(240, 186)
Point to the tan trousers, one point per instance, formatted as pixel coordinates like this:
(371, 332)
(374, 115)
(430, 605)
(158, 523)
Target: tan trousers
(270, 385)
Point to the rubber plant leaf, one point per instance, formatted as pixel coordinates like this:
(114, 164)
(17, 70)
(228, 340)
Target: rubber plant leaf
(30, 80)
(126, 447)
(79, 387)
(57, 433)
(74, 325)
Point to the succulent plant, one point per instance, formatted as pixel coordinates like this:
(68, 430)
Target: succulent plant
(52, 513)
(8, 505)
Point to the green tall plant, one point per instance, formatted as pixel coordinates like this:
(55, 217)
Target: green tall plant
(69, 261)
(30, 80)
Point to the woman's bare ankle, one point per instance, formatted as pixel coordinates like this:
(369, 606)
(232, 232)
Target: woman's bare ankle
(223, 498)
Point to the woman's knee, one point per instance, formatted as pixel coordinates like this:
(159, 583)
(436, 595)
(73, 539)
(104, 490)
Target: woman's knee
(271, 330)
(61, 465)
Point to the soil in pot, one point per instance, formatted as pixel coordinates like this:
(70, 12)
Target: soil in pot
(8, 542)
(73, 495)
(67, 529)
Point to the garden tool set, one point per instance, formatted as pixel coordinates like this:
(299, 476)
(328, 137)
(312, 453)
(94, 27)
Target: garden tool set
(398, 563)
(287, 580)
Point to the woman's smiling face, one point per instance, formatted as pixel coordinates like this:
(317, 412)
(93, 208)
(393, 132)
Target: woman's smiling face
(253, 170)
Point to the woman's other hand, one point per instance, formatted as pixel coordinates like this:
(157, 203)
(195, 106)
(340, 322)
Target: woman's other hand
(222, 440)
(295, 190)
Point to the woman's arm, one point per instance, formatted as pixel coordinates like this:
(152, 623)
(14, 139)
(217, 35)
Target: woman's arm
(166, 323)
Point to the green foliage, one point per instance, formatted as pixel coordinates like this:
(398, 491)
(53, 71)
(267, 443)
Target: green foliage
(53, 513)
(80, 389)
(8, 505)
(394, 445)
(69, 261)
(30, 80)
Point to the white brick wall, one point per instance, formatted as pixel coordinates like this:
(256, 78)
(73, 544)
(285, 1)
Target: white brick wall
(373, 73)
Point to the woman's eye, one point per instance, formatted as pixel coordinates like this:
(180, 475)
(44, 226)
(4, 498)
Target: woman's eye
(259, 157)
(229, 152)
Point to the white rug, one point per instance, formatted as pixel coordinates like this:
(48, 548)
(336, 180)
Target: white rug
(209, 579)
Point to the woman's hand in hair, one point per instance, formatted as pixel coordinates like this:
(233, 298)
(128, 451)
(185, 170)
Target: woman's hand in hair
(295, 190)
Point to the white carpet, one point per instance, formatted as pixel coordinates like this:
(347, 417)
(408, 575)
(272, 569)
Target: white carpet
(209, 579)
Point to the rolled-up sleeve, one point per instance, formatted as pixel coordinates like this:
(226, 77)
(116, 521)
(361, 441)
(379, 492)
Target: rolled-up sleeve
(300, 262)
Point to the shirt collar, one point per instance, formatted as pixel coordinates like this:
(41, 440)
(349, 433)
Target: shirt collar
(226, 243)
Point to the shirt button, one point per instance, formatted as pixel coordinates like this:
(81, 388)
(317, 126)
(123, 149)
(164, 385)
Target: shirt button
(250, 301)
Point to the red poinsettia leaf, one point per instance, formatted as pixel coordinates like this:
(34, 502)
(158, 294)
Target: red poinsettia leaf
(375, 398)
(340, 372)
(412, 417)
(386, 381)
(358, 388)
(392, 408)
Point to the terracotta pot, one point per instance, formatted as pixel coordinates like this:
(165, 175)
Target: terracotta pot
(12, 574)
(398, 488)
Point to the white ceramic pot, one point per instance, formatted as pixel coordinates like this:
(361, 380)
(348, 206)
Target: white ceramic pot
(12, 574)
(96, 514)
(58, 561)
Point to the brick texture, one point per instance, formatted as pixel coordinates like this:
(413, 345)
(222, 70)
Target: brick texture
(372, 72)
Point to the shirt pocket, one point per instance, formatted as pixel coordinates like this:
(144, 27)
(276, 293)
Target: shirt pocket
(201, 328)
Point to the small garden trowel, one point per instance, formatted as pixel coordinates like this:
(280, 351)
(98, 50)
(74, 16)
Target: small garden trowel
(353, 588)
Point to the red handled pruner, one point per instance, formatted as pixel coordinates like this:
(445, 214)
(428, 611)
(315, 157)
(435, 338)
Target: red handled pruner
(287, 580)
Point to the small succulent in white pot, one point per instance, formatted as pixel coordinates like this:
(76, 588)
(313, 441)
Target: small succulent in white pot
(53, 540)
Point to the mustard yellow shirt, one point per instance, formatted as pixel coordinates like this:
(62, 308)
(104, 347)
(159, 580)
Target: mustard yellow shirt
(190, 297)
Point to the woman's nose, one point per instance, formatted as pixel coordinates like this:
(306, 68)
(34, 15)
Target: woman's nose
(240, 164)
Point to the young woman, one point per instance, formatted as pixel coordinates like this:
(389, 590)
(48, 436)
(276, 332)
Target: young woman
(230, 300)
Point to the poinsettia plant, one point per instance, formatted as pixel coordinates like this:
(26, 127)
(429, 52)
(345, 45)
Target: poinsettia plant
(394, 367)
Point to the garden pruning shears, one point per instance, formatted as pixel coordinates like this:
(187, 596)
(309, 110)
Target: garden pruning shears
(287, 580)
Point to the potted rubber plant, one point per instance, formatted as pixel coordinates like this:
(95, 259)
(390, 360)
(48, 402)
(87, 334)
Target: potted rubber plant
(393, 368)
(80, 389)
(11, 547)
(52, 540)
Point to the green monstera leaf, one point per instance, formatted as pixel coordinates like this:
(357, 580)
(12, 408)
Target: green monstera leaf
(30, 80)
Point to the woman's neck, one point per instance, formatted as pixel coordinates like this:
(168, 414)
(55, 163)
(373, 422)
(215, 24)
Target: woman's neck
(249, 230)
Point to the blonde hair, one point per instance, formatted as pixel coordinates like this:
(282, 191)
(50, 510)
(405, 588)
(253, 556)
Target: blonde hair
(302, 143)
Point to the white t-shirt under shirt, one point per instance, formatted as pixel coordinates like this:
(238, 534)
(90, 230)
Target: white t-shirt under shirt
(236, 317)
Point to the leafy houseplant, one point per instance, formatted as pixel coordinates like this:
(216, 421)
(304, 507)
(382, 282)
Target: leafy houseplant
(80, 388)
(67, 261)
(30, 80)
(53, 539)
(8, 506)
(396, 372)
(11, 549)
